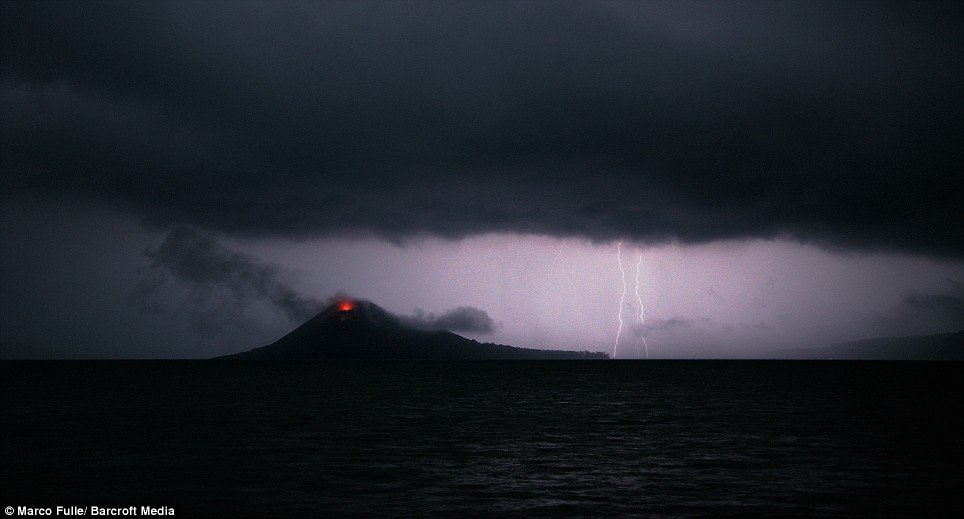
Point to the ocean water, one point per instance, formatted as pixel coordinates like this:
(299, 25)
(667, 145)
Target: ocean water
(524, 438)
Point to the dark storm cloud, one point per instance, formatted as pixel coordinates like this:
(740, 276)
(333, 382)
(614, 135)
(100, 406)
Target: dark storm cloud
(200, 259)
(462, 319)
(836, 123)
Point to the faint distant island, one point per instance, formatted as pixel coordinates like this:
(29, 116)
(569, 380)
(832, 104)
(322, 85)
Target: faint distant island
(353, 329)
(942, 346)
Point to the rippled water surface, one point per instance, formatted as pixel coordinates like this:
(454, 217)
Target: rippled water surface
(665, 438)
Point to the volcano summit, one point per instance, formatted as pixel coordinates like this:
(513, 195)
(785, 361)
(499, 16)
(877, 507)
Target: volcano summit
(356, 329)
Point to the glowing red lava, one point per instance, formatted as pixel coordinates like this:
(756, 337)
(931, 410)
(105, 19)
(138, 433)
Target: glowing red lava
(346, 306)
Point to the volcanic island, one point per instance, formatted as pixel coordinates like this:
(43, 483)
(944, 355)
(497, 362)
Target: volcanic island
(358, 329)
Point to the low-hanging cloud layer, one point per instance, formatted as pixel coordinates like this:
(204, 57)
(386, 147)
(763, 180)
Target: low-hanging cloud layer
(919, 312)
(834, 123)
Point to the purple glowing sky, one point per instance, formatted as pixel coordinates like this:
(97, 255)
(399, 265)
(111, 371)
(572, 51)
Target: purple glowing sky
(72, 282)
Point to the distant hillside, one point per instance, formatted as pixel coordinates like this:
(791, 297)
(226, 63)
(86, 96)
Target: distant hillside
(362, 330)
(943, 346)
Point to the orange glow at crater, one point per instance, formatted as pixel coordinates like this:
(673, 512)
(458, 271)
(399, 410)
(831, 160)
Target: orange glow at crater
(346, 306)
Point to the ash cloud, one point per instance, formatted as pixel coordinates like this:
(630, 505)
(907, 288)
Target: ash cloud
(461, 319)
(832, 123)
(202, 260)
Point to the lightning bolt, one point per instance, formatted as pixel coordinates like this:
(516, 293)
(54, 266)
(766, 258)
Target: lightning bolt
(639, 301)
(622, 298)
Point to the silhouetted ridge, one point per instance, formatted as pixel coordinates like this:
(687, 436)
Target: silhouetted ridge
(356, 329)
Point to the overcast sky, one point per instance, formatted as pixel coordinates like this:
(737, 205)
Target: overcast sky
(192, 179)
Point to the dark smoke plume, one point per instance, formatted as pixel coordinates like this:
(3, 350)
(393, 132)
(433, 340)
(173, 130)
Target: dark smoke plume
(461, 319)
(201, 259)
